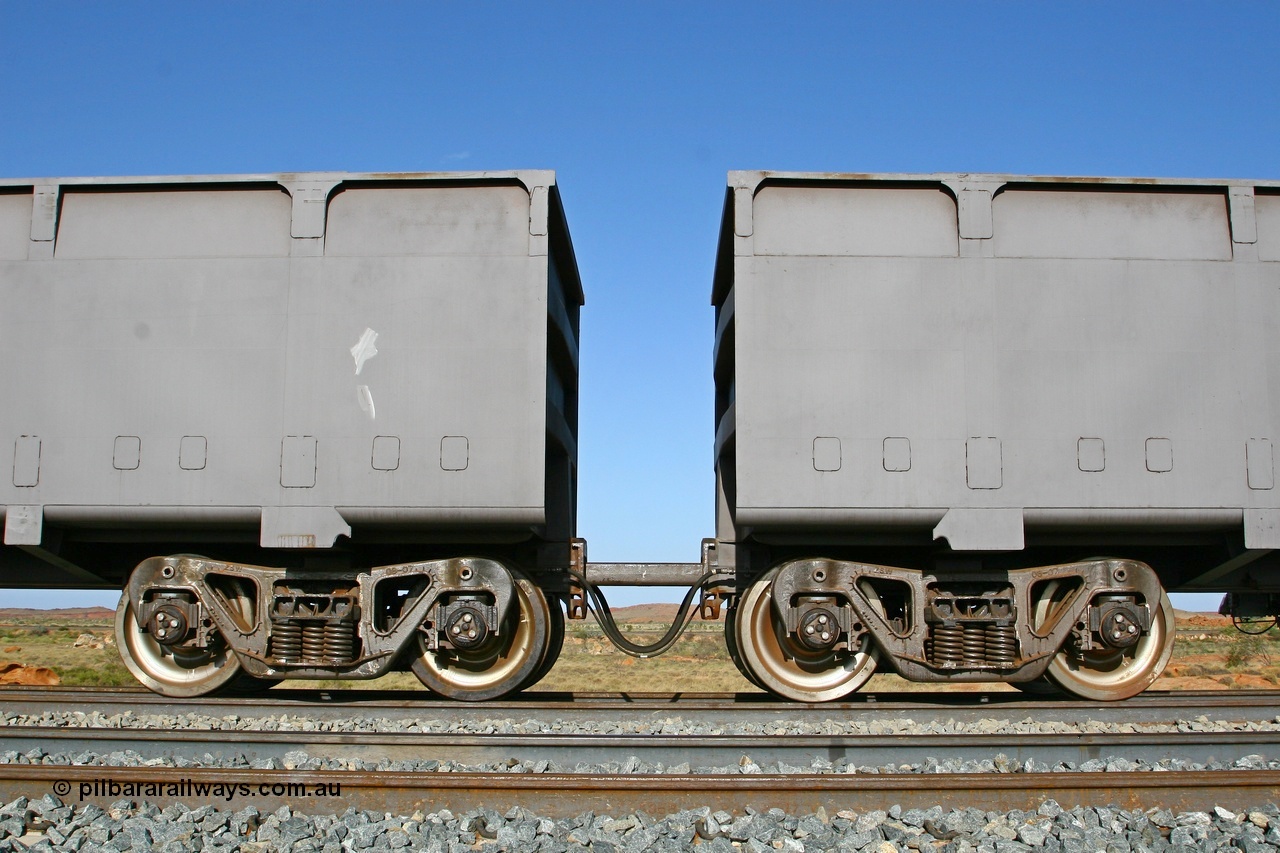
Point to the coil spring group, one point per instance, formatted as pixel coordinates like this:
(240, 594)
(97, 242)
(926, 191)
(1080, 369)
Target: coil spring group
(973, 644)
(315, 642)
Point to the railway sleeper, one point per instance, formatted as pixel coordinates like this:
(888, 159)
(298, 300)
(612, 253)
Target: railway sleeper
(470, 628)
(816, 629)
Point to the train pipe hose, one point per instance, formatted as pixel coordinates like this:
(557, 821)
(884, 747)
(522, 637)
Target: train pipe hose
(600, 606)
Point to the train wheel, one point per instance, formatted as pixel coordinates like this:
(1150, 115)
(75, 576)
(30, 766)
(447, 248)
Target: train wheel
(171, 672)
(731, 643)
(1112, 674)
(500, 665)
(782, 666)
(555, 642)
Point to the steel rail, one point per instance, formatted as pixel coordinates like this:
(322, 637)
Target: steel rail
(717, 708)
(697, 751)
(566, 795)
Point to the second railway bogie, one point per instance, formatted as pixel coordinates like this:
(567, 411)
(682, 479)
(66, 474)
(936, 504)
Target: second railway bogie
(817, 629)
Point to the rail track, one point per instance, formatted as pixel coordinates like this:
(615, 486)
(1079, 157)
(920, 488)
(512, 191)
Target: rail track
(725, 708)
(710, 778)
(563, 795)
(252, 747)
(658, 730)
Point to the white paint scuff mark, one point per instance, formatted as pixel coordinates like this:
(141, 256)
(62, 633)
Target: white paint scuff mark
(365, 396)
(364, 349)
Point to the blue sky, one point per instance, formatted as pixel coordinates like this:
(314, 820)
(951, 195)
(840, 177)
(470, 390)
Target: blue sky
(641, 108)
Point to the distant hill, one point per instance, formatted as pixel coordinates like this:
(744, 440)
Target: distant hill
(645, 613)
(1200, 620)
(68, 614)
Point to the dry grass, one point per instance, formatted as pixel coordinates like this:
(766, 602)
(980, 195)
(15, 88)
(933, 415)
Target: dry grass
(697, 663)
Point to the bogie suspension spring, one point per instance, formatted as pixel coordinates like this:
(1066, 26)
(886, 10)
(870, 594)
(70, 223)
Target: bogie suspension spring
(313, 642)
(972, 644)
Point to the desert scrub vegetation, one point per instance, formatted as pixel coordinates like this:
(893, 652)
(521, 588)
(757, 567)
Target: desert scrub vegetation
(1250, 650)
(111, 674)
(1242, 651)
(93, 663)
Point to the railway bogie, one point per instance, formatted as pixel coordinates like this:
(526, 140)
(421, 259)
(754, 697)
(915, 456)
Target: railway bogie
(816, 630)
(469, 628)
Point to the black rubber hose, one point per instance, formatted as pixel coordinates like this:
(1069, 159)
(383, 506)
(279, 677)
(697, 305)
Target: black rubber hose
(600, 606)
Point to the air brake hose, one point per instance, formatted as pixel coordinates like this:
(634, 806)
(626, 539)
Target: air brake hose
(600, 607)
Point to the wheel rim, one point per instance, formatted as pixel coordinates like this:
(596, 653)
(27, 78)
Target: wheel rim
(731, 643)
(500, 666)
(555, 642)
(787, 669)
(169, 672)
(1112, 674)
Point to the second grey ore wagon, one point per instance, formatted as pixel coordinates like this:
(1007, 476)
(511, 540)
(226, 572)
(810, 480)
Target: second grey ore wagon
(973, 426)
(967, 427)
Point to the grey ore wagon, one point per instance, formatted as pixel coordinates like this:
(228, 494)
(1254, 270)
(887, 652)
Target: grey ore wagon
(365, 382)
